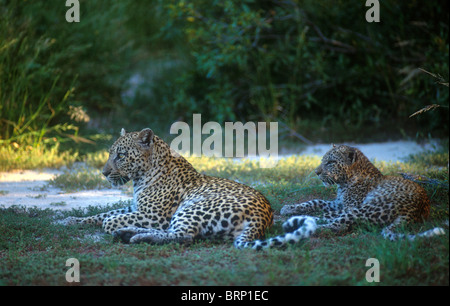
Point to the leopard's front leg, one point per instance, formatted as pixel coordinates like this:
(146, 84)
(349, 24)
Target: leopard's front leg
(134, 219)
(309, 207)
(151, 235)
(96, 219)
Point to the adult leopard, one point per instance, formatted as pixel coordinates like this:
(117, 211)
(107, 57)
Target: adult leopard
(172, 201)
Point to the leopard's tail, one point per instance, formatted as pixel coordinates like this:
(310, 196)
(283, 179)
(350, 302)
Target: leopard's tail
(296, 228)
(388, 232)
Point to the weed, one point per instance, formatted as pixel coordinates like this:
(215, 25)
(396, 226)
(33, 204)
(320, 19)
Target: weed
(80, 178)
(28, 157)
(58, 204)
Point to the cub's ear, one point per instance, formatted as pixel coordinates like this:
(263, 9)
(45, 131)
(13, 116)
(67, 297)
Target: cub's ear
(123, 132)
(352, 155)
(145, 139)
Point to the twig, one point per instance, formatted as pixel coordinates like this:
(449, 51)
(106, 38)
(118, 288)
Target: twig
(425, 109)
(424, 180)
(440, 79)
(292, 132)
(342, 47)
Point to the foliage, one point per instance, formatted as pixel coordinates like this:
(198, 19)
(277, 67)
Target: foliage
(80, 178)
(29, 157)
(51, 71)
(313, 66)
(299, 61)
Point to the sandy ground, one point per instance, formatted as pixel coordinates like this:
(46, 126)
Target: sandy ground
(30, 187)
(387, 151)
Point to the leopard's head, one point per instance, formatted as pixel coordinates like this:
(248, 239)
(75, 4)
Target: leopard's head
(338, 164)
(129, 156)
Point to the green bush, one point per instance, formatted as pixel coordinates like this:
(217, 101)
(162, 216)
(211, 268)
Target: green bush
(310, 65)
(303, 61)
(52, 71)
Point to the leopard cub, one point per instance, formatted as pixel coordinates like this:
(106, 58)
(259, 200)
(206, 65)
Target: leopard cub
(364, 194)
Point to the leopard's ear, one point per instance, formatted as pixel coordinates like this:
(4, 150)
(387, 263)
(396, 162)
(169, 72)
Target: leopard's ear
(352, 155)
(145, 139)
(334, 146)
(123, 132)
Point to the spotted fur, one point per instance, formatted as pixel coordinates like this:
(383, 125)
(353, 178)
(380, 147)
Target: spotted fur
(296, 229)
(173, 202)
(365, 194)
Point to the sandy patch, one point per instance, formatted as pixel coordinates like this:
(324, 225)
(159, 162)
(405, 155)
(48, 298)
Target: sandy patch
(30, 188)
(387, 151)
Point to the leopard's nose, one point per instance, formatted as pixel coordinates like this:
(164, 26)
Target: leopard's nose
(106, 171)
(318, 170)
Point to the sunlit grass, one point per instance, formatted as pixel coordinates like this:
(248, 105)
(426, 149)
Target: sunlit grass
(28, 157)
(96, 159)
(289, 168)
(81, 178)
(16, 157)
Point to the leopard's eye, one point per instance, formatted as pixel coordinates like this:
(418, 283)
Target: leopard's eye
(121, 155)
(330, 162)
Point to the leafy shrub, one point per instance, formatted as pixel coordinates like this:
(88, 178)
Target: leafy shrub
(49, 67)
(307, 64)
(81, 178)
(299, 61)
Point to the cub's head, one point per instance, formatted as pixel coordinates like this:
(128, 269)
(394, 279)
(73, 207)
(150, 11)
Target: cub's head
(129, 156)
(338, 164)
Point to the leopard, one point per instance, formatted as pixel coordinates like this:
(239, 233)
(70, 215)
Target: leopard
(364, 194)
(173, 202)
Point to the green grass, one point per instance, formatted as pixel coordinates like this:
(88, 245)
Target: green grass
(33, 250)
(80, 178)
(16, 157)
(28, 157)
